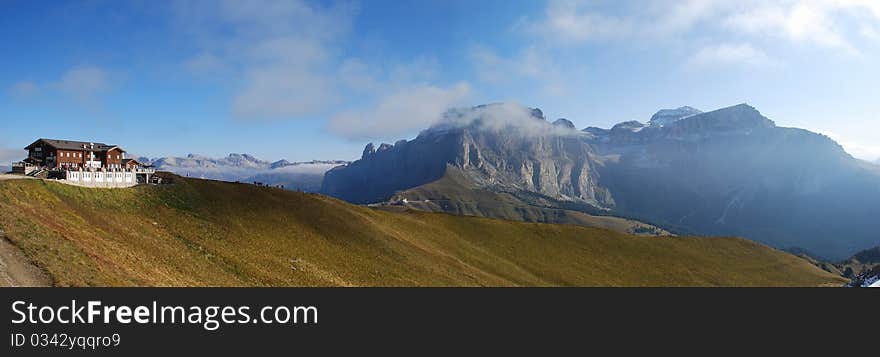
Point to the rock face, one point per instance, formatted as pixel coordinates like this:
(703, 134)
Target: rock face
(525, 154)
(728, 172)
(733, 172)
(668, 116)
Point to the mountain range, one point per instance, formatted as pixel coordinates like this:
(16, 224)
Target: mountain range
(727, 172)
(302, 176)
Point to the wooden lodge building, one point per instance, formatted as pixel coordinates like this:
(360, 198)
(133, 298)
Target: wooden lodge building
(82, 163)
(72, 155)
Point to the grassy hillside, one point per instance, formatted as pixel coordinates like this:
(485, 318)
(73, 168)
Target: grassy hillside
(454, 194)
(197, 233)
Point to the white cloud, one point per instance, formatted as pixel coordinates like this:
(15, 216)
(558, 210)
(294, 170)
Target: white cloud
(811, 22)
(83, 83)
(508, 117)
(860, 145)
(834, 24)
(571, 21)
(531, 64)
(729, 54)
(870, 32)
(283, 91)
(289, 60)
(401, 112)
(358, 75)
(290, 81)
(205, 63)
(281, 52)
(24, 89)
(496, 69)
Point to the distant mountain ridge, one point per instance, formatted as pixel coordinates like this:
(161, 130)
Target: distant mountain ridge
(304, 176)
(728, 172)
(529, 154)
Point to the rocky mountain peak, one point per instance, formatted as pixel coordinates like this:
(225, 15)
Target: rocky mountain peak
(628, 126)
(384, 146)
(710, 173)
(669, 116)
(280, 163)
(595, 131)
(738, 118)
(538, 114)
(564, 123)
(242, 157)
(368, 150)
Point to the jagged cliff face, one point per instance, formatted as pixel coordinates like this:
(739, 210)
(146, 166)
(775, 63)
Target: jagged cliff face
(523, 153)
(382, 171)
(557, 166)
(733, 172)
(727, 172)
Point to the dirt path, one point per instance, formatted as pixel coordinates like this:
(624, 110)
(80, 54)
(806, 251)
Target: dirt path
(16, 270)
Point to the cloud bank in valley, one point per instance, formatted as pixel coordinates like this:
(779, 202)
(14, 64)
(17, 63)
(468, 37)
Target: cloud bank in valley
(8, 156)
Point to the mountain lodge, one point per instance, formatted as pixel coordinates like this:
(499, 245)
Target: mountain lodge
(68, 154)
(82, 163)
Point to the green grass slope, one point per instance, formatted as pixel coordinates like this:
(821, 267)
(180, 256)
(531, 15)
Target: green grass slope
(208, 233)
(453, 194)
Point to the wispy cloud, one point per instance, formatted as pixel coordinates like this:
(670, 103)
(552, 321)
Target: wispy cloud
(575, 22)
(84, 83)
(858, 145)
(833, 24)
(24, 89)
(288, 81)
(810, 22)
(729, 54)
(205, 64)
(281, 53)
(531, 65)
(288, 64)
(404, 111)
(509, 117)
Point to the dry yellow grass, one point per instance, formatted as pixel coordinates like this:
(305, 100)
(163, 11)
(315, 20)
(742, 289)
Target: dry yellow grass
(207, 233)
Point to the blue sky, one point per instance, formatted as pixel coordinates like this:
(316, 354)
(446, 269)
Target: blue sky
(305, 80)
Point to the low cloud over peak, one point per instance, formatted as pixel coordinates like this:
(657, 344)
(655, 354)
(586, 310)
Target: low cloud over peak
(509, 117)
(407, 110)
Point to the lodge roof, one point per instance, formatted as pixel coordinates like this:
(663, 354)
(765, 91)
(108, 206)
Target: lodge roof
(74, 145)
